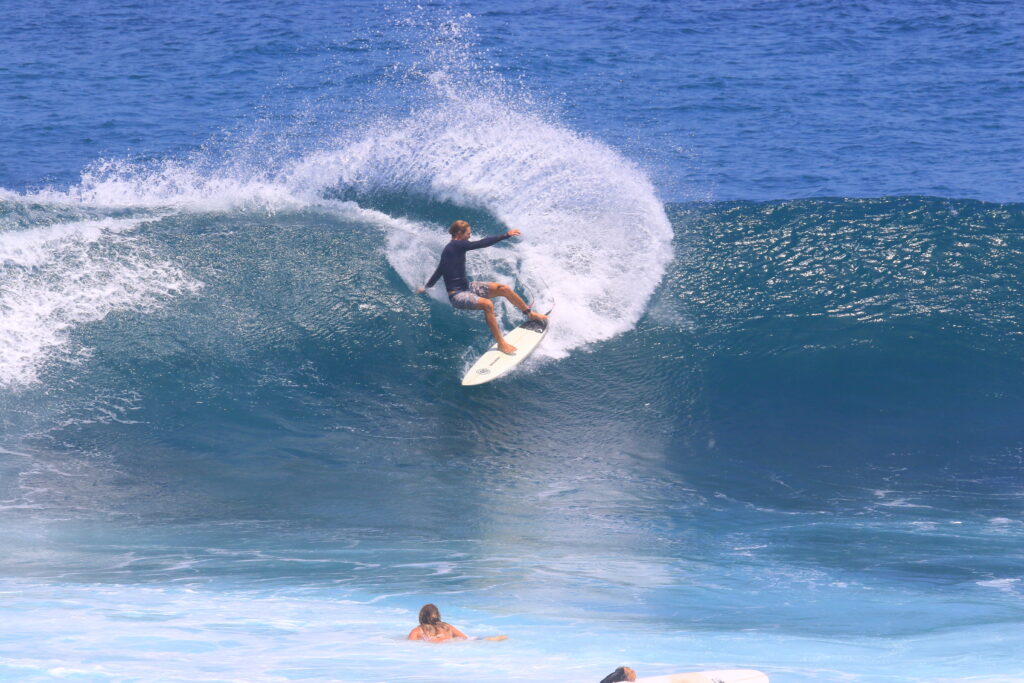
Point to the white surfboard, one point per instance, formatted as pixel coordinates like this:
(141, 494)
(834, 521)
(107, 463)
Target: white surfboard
(493, 364)
(724, 676)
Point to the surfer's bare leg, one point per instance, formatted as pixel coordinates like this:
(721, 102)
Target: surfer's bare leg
(495, 289)
(487, 307)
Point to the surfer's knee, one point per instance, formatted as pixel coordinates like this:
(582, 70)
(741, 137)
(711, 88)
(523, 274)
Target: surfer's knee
(485, 305)
(503, 290)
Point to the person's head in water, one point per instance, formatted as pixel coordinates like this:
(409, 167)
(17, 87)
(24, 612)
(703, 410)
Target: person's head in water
(459, 230)
(434, 630)
(623, 673)
(430, 619)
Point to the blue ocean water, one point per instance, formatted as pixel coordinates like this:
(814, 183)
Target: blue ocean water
(776, 423)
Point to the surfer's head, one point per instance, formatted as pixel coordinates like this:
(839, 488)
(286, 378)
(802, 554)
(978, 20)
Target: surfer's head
(459, 229)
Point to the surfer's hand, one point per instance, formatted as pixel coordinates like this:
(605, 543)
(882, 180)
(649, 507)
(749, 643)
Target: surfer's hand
(513, 233)
(420, 290)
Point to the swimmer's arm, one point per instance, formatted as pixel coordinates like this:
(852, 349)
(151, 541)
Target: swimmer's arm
(456, 633)
(415, 634)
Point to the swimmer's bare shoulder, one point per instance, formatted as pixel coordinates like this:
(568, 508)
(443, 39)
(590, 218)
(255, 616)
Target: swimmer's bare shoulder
(453, 633)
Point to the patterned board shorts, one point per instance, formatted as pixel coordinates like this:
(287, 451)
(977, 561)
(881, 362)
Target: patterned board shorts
(467, 299)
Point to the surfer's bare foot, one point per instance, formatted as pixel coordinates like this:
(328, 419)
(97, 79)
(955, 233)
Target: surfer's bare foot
(505, 347)
(534, 315)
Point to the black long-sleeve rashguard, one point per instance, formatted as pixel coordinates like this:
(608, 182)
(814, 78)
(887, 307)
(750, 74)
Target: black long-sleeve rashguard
(453, 263)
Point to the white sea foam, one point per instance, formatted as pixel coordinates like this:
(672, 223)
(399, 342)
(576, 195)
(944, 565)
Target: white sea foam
(174, 184)
(595, 237)
(1005, 585)
(61, 275)
(595, 240)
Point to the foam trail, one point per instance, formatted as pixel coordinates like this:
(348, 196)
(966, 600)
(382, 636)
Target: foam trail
(173, 184)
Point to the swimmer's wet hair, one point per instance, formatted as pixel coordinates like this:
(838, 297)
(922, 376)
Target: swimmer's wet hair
(430, 619)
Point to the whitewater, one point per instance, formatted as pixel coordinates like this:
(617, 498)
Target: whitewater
(597, 238)
(775, 424)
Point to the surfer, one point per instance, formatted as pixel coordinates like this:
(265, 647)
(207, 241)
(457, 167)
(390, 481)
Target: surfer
(433, 630)
(468, 295)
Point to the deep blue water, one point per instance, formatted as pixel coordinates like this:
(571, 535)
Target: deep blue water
(776, 424)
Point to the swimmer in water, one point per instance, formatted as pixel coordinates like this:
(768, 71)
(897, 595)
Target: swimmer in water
(475, 295)
(623, 673)
(433, 630)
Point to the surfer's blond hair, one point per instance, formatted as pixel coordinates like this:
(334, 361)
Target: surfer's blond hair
(457, 228)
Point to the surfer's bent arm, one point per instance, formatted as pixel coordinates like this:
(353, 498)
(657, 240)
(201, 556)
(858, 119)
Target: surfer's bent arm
(432, 281)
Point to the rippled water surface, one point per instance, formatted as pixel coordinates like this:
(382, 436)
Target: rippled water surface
(775, 424)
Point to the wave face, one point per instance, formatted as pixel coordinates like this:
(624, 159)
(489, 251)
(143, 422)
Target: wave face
(818, 401)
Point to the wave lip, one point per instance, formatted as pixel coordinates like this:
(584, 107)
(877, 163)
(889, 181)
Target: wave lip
(595, 237)
(65, 274)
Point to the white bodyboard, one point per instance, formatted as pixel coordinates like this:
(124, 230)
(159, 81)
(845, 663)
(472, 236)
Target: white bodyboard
(494, 364)
(724, 676)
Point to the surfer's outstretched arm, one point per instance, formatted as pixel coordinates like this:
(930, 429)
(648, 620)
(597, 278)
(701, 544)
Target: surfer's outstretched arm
(488, 241)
